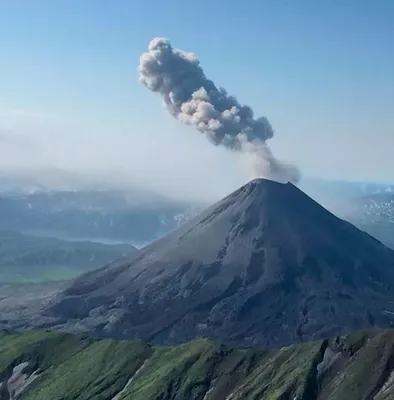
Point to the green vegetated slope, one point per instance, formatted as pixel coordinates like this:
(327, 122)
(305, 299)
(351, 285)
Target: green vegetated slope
(25, 258)
(41, 365)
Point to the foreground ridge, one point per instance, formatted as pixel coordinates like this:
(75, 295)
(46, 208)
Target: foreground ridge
(41, 365)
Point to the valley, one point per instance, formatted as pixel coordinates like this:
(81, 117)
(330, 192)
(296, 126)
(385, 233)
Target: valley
(111, 217)
(27, 259)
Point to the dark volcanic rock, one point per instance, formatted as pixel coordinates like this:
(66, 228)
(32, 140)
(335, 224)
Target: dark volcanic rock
(266, 265)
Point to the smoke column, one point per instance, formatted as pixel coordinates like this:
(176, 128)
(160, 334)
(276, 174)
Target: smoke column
(195, 100)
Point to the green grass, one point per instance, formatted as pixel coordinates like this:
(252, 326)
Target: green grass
(80, 368)
(98, 371)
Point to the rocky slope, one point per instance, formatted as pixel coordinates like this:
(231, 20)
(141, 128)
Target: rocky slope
(266, 265)
(49, 366)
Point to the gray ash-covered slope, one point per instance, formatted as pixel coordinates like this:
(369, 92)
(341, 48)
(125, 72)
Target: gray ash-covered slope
(266, 265)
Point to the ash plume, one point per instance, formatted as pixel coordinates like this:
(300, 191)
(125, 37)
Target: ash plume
(195, 100)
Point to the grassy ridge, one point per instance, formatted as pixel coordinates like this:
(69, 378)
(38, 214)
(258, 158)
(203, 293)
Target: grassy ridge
(72, 367)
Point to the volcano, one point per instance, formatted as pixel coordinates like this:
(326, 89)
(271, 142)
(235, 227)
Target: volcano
(266, 265)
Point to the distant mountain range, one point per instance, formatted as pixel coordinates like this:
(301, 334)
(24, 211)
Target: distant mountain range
(372, 213)
(25, 258)
(138, 218)
(326, 191)
(47, 366)
(369, 206)
(106, 216)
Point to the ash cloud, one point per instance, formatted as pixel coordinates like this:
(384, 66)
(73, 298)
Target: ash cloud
(195, 100)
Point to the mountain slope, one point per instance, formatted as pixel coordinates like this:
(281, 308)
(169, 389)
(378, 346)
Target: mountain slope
(26, 258)
(47, 366)
(374, 213)
(266, 265)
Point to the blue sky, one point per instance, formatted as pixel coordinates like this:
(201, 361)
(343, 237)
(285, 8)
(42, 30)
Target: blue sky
(321, 71)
